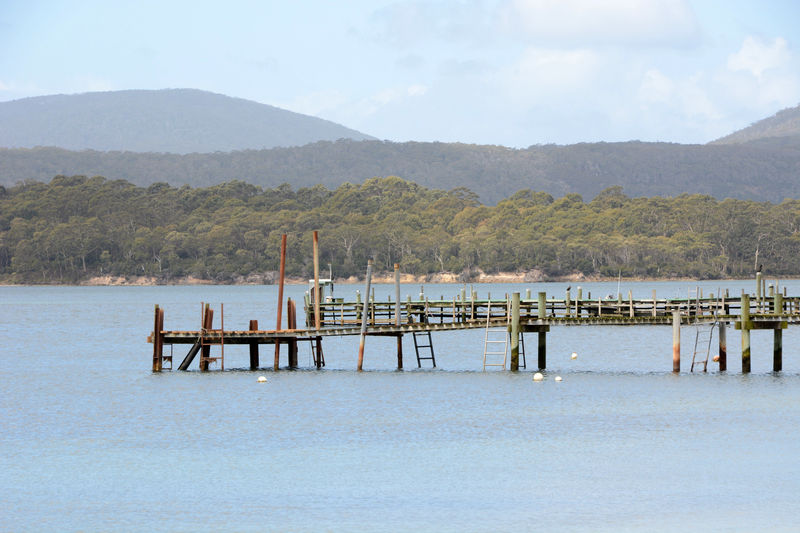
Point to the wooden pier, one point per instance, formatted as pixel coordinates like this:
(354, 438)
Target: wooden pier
(518, 313)
(326, 316)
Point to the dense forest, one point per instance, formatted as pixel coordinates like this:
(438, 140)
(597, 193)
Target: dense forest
(74, 228)
(765, 170)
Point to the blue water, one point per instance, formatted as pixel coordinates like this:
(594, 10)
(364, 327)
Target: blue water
(91, 440)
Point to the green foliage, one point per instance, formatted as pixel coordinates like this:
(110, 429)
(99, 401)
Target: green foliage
(76, 227)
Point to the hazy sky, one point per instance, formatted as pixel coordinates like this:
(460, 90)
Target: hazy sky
(509, 72)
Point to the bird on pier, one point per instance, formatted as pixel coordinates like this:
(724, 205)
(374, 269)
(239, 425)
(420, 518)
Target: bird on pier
(759, 268)
(569, 287)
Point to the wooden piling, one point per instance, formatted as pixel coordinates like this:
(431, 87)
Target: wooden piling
(282, 277)
(364, 318)
(777, 350)
(542, 305)
(676, 341)
(205, 351)
(514, 331)
(316, 280)
(291, 321)
(397, 314)
(578, 302)
(254, 347)
(745, 318)
(158, 340)
(723, 347)
(542, 351)
(567, 303)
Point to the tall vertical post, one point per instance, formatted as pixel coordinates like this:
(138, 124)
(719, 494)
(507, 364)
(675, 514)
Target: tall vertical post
(568, 304)
(723, 347)
(364, 318)
(542, 305)
(397, 315)
(578, 300)
(291, 321)
(515, 331)
(542, 352)
(316, 280)
(676, 341)
(745, 317)
(253, 347)
(158, 342)
(282, 278)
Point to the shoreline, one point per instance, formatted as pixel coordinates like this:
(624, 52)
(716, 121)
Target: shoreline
(382, 278)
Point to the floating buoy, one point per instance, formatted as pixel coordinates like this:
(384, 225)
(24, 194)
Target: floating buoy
(574, 355)
(558, 378)
(538, 376)
(262, 379)
(716, 359)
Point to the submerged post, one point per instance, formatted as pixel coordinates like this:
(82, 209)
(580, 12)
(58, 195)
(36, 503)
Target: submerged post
(282, 278)
(777, 350)
(158, 339)
(746, 333)
(723, 347)
(364, 318)
(514, 331)
(291, 321)
(676, 341)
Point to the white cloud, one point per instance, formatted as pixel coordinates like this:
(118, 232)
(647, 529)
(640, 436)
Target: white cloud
(643, 22)
(756, 56)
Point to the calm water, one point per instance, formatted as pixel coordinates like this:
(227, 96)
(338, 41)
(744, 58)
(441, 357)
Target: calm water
(93, 441)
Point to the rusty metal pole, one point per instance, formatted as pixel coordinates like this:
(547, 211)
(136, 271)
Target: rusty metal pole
(282, 278)
(676, 341)
(397, 315)
(364, 318)
(316, 280)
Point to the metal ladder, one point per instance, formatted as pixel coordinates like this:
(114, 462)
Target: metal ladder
(494, 338)
(417, 346)
(702, 341)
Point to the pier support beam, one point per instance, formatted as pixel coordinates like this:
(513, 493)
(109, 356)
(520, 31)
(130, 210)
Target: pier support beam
(514, 331)
(254, 347)
(777, 350)
(676, 341)
(723, 347)
(745, 314)
(276, 363)
(158, 339)
(542, 352)
(364, 318)
(291, 321)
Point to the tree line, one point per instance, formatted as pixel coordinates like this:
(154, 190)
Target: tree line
(75, 227)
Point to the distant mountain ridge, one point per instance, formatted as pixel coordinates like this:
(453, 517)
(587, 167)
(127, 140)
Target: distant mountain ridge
(784, 123)
(752, 171)
(168, 120)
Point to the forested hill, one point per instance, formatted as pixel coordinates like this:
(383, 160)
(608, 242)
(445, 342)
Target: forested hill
(783, 124)
(170, 120)
(765, 170)
(74, 228)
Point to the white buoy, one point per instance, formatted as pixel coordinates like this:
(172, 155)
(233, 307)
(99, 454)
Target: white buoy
(538, 376)
(574, 355)
(558, 378)
(262, 379)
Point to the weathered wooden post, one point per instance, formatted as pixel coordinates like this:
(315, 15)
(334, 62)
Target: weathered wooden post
(316, 280)
(205, 352)
(676, 341)
(578, 302)
(514, 331)
(397, 315)
(777, 349)
(542, 305)
(158, 339)
(655, 304)
(745, 323)
(281, 280)
(630, 303)
(567, 304)
(723, 347)
(291, 322)
(253, 347)
(364, 318)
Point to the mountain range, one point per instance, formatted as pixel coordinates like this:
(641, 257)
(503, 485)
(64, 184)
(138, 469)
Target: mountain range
(213, 138)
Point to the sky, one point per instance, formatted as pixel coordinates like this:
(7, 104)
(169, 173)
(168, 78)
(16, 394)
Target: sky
(505, 72)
